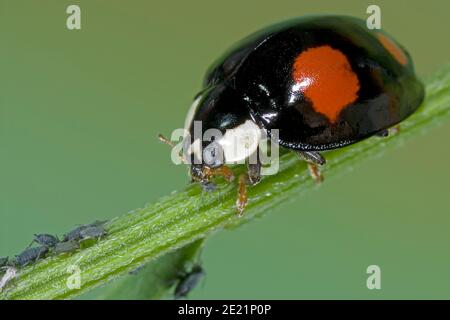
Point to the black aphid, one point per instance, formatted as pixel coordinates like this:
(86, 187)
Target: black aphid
(92, 233)
(188, 282)
(45, 240)
(31, 255)
(66, 247)
(76, 234)
(209, 186)
(136, 271)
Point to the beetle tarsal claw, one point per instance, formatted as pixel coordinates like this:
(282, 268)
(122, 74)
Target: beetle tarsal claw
(315, 173)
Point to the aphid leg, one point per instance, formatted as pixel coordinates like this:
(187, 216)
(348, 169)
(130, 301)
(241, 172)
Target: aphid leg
(172, 145)
(252, 177)
(32, 242)
(41, 254)
(314, 159)
(38, 257)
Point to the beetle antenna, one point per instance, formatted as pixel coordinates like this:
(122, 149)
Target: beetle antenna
(165, 140)
(171, 144)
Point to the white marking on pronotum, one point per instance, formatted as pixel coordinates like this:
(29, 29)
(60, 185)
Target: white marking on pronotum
(10, 274)
(241, 142)
(237, 144)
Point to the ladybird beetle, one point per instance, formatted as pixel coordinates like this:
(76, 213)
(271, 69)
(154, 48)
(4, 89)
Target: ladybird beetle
(323, 82)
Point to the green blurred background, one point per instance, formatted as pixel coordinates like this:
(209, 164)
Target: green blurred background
(80, 111)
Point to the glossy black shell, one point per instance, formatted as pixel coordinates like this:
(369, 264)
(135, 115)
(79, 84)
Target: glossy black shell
(254, 80)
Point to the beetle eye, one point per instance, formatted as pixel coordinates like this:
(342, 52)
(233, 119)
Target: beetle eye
(213, 155)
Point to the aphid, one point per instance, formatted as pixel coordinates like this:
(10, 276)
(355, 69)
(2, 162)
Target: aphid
(323, 82)
(92, 233)
(188, 282)
(45, 240)
(66, 247)
(75, 234)
(9, 275)
(209, 186)
(31, 255)
(137, 270)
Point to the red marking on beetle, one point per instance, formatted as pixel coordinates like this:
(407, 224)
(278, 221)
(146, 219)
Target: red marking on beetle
(325, 76)
(393, 48)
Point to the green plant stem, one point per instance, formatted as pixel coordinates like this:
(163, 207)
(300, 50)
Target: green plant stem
(157, 279)
(146, 234)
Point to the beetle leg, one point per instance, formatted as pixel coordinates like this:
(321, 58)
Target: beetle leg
(315, 173)
(314, 159)
(252, 177)
(242, 198)
(197, 174)
(203, 174)
(254, 173)
(222, 171)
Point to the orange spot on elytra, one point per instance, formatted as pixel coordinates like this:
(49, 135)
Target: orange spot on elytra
(325, 77)
(393, 48)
